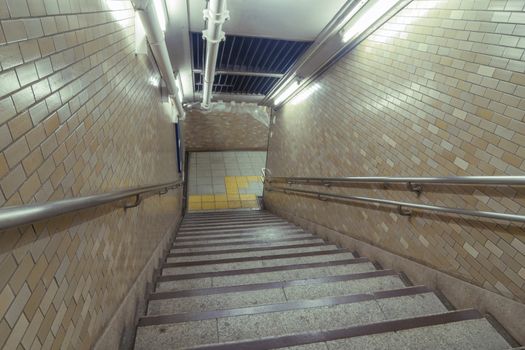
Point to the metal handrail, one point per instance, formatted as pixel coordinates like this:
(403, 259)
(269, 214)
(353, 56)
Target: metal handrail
(445, 180)
(25, 214)
(401, 206)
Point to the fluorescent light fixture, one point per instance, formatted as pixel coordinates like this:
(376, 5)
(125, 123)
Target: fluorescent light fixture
(141, 45)
(368, 18)
(303, 95)
(354, 11)
(161, 14)
(154, 81)
(179, 87)
(286, 93)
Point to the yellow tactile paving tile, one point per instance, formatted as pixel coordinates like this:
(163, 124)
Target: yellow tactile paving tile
(242, 181)
(221, 198)
(248, 197)
(194, 199)
(231, 200)
(249, 204)
(208, 198)
(195, 206)
(233, 197)
(208, 205)
(234, 204)
(221, 205)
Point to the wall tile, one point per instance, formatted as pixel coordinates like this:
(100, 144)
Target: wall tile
(71, 127)
(436, 91)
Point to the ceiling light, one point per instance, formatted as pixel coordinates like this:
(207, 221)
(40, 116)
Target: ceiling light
(305, 94)
(286, 93)
(179, 88)
(354, 11)
(161, 13)
(368, 18)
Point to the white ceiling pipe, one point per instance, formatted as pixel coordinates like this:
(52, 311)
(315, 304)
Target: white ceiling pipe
(150, 22)
(216, 14)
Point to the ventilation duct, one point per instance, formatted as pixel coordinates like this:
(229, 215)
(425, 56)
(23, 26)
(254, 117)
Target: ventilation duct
(215, 15)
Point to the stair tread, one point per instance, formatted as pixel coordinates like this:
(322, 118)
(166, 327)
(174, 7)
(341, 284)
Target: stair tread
(251, 280)
(269, 261)
(244, 243)
(254, 252)
(241, 326)
(272, 295)
(270, 276)
(242, 236)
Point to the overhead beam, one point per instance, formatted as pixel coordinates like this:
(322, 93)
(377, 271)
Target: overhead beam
(251, 74)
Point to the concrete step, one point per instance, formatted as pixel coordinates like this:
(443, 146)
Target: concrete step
(252, 235)
(462, 329)
(241, 253)
(261, 275)
(242, 243)
(197, 228)
(263, 219)
(254, 262)
(225, 222)
(285, 318)
(252, 230)
(236, 212)
(269, 293)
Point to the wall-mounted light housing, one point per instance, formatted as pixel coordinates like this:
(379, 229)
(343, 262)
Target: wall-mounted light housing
(370, 15)
(287, 92)
(161, 13)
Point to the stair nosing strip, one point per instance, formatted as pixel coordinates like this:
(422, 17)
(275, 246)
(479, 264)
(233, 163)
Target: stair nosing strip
(245, 242)
(204, 221)
(233, 221)
(253, 258)
(218, 238)
(281, 307)
(349, 332)
(246, 250)
(226, 227)
(166, 278)
(269, 285)
(247, 230)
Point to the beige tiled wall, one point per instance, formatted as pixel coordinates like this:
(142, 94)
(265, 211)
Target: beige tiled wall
(77, 117)
(438, 90)
(223, 132)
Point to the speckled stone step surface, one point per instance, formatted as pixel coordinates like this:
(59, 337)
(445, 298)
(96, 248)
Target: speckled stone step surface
(271, 292)
(251, 280)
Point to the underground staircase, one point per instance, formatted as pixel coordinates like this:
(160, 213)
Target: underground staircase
(251, 280)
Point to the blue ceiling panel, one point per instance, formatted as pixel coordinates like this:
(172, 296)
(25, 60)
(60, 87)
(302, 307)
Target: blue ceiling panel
(247, 54)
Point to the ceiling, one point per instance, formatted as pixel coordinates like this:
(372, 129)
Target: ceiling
(264, 38)
(280, 19)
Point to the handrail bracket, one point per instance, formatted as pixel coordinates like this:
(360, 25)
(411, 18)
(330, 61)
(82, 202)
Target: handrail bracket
(138, 200)
(415, 187)
(404, 211)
